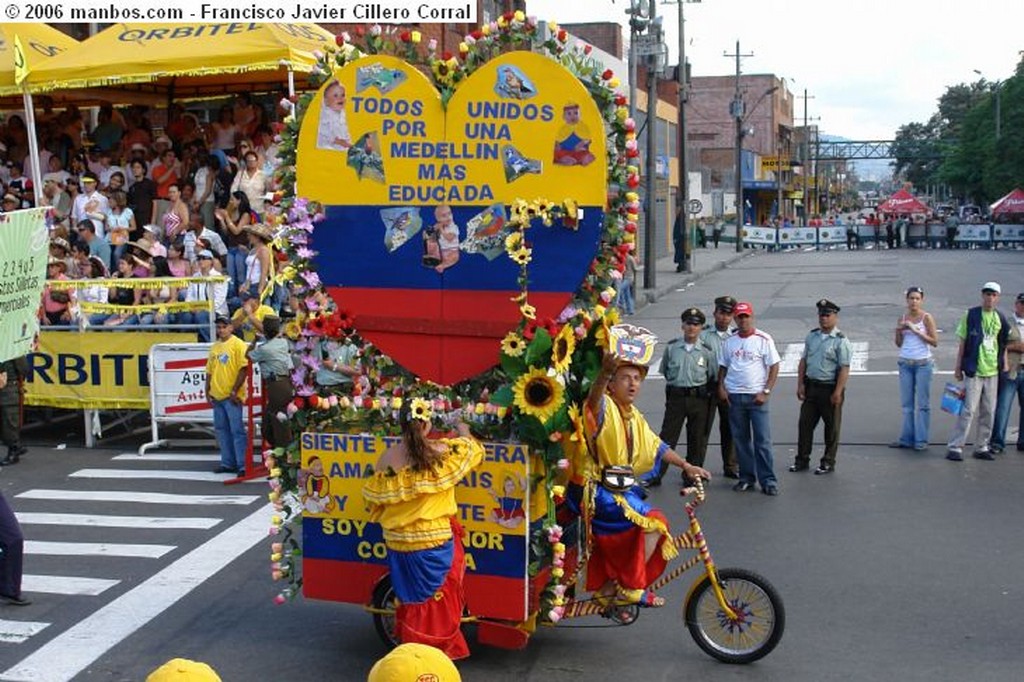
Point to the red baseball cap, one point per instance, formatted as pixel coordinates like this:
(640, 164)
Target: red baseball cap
(743, 308)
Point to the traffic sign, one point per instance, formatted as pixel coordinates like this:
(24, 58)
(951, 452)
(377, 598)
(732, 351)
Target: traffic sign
(647, 45)
(695, 206)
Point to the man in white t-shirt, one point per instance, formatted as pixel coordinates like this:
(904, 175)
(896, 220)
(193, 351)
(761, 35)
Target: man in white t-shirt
(748, 366)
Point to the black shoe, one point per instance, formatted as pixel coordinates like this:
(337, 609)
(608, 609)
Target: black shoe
(897, 444)
(679, 268)
(17, 600)
(983, 454)
(731, 474)
(824, 469)
(995, 449)
(240, 473)
(954, 456)
(11, 458)
(224, 470)
(799, 466)
(770, 490)
(743, 486)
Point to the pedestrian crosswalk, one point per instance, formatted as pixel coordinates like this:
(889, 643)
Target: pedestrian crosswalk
(134, 534)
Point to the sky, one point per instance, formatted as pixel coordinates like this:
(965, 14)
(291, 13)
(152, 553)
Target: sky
(868, 66)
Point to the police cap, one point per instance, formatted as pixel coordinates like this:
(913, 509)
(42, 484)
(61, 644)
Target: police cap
(826, 306)
(725, 304)
(693, 315)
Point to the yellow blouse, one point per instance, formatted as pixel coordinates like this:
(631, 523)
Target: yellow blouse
(414, 507)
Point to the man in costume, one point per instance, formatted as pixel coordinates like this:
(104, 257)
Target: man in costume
(631, 543)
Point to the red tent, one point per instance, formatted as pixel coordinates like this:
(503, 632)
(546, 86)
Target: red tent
(902, 202)
(1011, 204)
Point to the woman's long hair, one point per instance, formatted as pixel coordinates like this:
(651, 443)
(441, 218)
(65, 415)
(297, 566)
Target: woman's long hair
(420, 451)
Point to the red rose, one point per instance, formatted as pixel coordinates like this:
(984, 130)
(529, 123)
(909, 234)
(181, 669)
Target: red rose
(339, 40)
(620, 100)
(563, 35)
(446, 56)
(587, 49)
(299, 402)
(360, 30)
(405, 36)
(477, 34)
(633, 182)
(509, 16)
(607, 75)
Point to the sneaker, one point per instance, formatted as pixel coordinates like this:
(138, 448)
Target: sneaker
(824, 469)
(743, 486)
(771, 490)
(921, 447)
(954, 456)
(985, 454)
(996, 449)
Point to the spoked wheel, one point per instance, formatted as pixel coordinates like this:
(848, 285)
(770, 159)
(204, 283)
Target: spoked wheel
(384, 598)
(757, 626)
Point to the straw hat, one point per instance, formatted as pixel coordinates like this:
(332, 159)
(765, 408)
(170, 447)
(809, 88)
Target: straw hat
(61, 243)
(57, 261)
(264, 232)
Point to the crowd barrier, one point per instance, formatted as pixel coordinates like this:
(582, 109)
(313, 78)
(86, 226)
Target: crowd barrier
(177, 395)
(985, 235)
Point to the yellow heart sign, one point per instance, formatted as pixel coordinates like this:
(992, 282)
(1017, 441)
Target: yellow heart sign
(418, 197)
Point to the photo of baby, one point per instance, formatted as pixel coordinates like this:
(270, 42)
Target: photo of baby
(447, 237)
(332, 132)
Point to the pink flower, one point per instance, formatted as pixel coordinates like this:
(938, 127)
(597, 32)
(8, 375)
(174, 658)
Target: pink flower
(279, 599)
(563, 463)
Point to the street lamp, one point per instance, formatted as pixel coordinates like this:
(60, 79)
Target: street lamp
(737, 109)
(998, 87)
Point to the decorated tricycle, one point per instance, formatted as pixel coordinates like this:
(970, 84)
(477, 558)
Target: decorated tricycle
(472, 228)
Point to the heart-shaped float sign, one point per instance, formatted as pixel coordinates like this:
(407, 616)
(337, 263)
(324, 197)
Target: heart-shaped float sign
(418, 199)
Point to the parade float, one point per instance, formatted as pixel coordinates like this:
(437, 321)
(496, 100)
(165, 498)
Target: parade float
(461, 221)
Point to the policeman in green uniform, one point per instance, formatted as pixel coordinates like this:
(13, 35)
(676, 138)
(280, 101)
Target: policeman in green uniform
(688, 366)
(821, 383)
(714, 335)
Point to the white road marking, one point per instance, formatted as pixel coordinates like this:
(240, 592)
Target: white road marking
(17, 631)
(66, 655)
(160, 475)
(167, 457)
(96, 549)
(106, 521)
(66, 584)
(129, 496)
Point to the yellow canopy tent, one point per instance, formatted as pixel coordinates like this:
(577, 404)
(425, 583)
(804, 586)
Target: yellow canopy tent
(39, 41)
(185, 60)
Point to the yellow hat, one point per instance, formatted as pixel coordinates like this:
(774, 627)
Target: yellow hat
(183, 670)
(414, 663)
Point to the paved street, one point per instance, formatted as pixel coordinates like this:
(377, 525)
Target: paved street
(901, 566)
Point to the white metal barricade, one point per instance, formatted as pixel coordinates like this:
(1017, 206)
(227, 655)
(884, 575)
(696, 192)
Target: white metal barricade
(177, 389)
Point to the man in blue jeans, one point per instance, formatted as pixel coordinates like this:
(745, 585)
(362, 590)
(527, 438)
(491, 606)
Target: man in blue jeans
(748, 366)
(226, 370)
(1011, 383)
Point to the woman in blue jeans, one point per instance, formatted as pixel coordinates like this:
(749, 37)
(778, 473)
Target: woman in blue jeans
(916, 336)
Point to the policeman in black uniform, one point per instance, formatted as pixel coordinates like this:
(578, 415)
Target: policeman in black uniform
(821, 382)
(687, 365)
(713, 335)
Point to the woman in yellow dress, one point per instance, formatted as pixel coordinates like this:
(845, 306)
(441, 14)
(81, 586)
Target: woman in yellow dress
(412, 496)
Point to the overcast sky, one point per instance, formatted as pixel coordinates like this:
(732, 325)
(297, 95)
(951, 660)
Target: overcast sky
(870, 65)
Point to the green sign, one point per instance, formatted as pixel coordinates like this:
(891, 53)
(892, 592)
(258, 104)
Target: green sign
(24, 246)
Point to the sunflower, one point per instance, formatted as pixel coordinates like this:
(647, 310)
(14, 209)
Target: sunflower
(513, 241)
(562, 348)
(513, 345)
(420, 409)
(538, 395)
(603, 333)
(522, 256)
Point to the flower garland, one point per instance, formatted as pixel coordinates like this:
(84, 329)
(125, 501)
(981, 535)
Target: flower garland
(546, 366)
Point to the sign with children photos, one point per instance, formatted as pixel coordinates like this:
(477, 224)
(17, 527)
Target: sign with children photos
(417, 200)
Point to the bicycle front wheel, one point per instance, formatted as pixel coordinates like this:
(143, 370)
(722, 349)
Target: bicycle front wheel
(752, 632)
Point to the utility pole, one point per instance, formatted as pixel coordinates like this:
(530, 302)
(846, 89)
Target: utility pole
(650, 222)
(737, 111)
(683, 83)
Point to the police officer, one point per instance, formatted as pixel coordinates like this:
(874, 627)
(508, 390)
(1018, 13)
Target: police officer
(713, 336)
(687, 365)
(821, 383)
